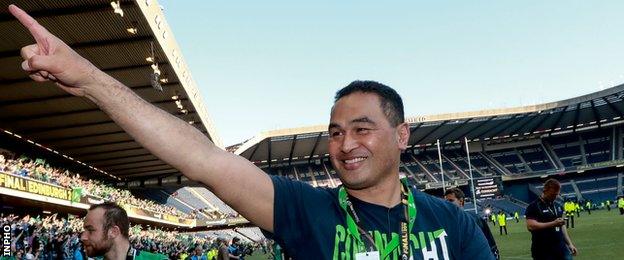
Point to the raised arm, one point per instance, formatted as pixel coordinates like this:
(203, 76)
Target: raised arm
(238, 182)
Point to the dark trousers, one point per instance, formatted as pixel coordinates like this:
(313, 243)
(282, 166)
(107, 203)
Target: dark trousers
(621, 211)
(568, 220)
(588, 211)
(501, 229)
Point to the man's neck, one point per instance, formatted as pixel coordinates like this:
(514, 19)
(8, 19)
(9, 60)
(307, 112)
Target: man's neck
(545, 200)
(118, 251)
(386, 194)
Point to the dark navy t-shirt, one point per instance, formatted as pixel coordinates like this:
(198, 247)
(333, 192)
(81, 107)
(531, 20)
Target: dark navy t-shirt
(547, 243)
(309, 224)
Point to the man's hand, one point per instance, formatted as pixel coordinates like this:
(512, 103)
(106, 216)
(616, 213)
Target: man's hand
(559, 222)
(573, 249)
(51, 59)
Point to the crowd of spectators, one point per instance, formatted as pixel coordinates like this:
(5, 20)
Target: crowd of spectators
(39, 170)
(52, 237)
(214, 213)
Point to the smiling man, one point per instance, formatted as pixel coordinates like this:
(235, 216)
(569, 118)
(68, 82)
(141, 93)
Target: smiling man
(374, 212)
(374, 215)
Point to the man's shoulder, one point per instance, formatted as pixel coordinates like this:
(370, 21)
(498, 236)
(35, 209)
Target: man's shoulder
(532, 210)
(289, 185)
(534, 203)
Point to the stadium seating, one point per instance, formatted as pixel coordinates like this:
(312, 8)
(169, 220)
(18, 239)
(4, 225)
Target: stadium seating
(506, 205)
(38, 170)
(598, 188)
(548, 155)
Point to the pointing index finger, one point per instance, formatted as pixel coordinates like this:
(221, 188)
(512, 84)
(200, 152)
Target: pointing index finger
(37, 31)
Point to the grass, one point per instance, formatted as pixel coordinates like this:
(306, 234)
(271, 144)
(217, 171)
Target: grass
(596, 236)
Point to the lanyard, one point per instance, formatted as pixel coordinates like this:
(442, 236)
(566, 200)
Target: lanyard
(131, 253)
(354, 227)
(548, 206)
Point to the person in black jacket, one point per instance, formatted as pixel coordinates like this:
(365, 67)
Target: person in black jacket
(456, 196)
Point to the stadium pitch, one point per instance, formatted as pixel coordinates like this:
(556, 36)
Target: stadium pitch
(596, 236)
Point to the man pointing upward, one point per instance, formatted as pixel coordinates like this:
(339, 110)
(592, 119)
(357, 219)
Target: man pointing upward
(373, 214)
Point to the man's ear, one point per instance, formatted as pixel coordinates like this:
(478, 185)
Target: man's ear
(114, 232)
(403, 133)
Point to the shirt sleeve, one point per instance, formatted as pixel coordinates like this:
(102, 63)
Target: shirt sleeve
(483, 225)
(474, 244)
(531, 211)
(295, 204)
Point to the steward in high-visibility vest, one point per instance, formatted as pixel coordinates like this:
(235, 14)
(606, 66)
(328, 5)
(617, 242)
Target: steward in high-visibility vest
(502, 222)
(568, 207)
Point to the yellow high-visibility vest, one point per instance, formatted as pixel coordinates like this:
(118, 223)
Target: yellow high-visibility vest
(502, 219)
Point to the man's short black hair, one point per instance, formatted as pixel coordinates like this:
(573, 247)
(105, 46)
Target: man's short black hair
(114, 215)
(459, 194)
(391, 102)
(552, 184)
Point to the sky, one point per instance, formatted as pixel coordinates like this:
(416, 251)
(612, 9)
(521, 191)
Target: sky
(264, 65)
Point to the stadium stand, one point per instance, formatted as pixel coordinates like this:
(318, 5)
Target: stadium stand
(38, 170)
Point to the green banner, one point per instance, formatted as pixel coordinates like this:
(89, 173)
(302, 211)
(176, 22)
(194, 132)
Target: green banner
(76, 194)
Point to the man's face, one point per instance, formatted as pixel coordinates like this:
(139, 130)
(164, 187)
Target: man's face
(551, 194)
(452, 199)
(363, 146)
(95, 239)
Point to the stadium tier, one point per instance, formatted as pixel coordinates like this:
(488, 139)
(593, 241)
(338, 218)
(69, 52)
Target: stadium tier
(138, 49)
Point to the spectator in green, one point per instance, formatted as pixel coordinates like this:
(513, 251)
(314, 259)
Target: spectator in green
(277, 252)
(517, 216)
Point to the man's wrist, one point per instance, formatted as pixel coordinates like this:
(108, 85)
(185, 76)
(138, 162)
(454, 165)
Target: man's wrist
(98, 84)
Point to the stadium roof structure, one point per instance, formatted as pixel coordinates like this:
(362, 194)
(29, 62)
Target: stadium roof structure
(129, 40)
(595, 110)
